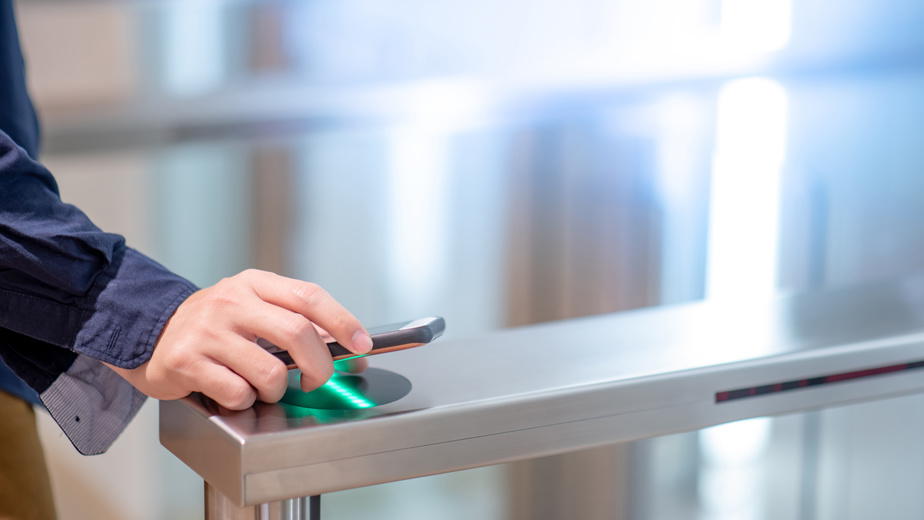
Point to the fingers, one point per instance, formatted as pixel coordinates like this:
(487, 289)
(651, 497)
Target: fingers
(265, 374)
(225, 387)
(294, 333)
(314, 361)
(314, 303)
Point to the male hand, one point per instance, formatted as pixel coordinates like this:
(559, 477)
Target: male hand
(209, 344)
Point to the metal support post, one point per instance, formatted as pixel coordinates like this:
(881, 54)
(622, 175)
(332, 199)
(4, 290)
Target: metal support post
(218, 507)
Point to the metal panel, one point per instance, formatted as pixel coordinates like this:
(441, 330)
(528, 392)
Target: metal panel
(557, 387)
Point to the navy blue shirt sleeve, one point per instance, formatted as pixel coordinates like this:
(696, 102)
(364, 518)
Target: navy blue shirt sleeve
(17, 115)
(71, 296)
(19, 121)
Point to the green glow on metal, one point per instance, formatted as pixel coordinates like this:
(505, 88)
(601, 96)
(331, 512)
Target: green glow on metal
(356, 399)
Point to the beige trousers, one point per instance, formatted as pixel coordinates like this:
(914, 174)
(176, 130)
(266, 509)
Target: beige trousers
(25, 491)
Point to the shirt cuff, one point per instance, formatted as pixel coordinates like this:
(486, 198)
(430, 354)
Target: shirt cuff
(91, 404)
(132, 301)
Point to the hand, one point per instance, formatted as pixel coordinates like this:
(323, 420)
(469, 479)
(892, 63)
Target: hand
(209, 344)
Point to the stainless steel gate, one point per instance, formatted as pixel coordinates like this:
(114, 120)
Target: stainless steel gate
(553, 388)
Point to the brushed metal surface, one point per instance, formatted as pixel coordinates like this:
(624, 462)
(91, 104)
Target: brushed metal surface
(555, 387)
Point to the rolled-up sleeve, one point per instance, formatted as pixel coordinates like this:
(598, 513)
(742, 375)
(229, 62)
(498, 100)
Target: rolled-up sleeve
(72, 296)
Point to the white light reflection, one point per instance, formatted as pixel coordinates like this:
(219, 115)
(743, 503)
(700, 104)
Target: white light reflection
(744, 203)
(739, 443)
(192, 46)
(418, 192)
(417, 197)
(756, 25)
(742, 260)
(730, 481)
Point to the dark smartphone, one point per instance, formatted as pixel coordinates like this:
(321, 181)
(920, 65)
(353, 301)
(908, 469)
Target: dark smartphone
(387, 338)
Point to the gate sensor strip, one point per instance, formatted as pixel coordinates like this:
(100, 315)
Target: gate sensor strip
(753, 391)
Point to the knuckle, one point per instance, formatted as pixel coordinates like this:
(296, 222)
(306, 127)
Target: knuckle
(177, 360)
(224, 295)
(297, 328)
(310, 293)
(275, 382)
(239, 396)
(249, 274)
(277, 375)
(344, 321)
(253, 278)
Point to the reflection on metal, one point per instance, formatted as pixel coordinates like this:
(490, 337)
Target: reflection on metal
(558, 387)
(218, 507)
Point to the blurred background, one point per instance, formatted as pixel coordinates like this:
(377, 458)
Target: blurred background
(505, 163)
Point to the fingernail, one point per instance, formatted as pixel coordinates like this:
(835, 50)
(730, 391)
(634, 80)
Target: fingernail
(362, 343)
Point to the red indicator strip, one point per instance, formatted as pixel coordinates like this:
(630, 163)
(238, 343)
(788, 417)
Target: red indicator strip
(741, 393)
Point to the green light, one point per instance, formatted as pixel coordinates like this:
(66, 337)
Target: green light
(357, 393)
(356, 399)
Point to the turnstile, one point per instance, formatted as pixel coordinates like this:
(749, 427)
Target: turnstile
(552, 388)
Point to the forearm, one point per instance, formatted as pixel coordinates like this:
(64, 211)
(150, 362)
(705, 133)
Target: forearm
(72, 296)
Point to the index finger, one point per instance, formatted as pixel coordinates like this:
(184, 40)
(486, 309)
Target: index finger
(314, 303)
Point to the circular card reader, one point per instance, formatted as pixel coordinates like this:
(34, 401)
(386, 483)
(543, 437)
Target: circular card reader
(370, 388)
